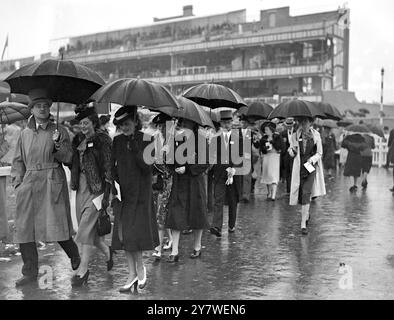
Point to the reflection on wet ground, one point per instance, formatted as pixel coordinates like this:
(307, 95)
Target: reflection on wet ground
(266, 258)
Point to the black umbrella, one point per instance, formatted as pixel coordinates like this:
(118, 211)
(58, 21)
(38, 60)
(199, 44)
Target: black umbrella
(64, 80)
(191, 111)
(330, 111)
(259, 110)
(130, 91)
(214, 96)
(358, 128)
(11, 112)
(296, 108)
(376, 130)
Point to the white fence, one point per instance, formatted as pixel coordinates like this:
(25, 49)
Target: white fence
(379, 154)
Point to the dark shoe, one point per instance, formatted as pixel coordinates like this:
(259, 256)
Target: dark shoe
(195, 254)
(25, 280)
(364, 184)
(215, 231)
(353, 189)
(392, 189)
(271, 199)
(75, 262)
(304, 231)
(231, 230)
(171, 258)
(110, 262)
(78, 281)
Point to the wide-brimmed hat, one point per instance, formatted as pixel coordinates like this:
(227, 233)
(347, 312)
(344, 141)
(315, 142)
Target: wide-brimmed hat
(38, 95)
(124, 113)
(226, 115)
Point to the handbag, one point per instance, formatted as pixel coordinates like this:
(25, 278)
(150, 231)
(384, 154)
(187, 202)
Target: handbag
(103, 223)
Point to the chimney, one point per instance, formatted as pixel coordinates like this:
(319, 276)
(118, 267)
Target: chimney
(188, 11)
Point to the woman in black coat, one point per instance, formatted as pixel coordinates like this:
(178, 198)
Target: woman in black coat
(136, 229)
(354, 143)
(187, 204)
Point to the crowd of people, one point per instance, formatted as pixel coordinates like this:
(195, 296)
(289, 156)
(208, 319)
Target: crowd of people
(113, 168)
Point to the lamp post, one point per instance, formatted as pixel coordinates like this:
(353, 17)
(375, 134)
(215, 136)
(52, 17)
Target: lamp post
(381, 99)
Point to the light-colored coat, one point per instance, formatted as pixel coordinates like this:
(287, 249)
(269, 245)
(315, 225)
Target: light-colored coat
(318, 188)
(42, 200)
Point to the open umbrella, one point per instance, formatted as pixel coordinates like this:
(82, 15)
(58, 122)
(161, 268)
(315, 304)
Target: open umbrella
(191, 111)
(344, 123)
(259, 110)
(330, 111)
(11, 112)
(130, 91)
(242, 111)
(376, 130)
(358, 128)
(64, 80)
(6, 95)
(214, 96)
(296, 108)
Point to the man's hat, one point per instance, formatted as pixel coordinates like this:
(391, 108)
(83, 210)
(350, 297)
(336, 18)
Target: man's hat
(124, 113)
(226, 115)
(38, 95)
(289, 122)
(85, 112)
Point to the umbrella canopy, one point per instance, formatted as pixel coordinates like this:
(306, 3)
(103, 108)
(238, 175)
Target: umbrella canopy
(191, 111)
(65, 81)
(329, 123)
(359, 128)
(330, 111)
(296, 108)
(11, 112)
(344, 123)
(242, 111)
(130, 91)
(259, 110)
(376, 130)
(214, 96)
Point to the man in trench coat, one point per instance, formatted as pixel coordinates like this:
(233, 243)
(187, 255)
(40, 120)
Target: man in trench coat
(42, 200)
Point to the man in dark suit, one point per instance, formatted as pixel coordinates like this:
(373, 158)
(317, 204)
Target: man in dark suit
(285, 159)
(226, 186)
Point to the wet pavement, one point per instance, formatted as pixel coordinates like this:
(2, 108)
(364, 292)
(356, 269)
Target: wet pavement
(266, 258)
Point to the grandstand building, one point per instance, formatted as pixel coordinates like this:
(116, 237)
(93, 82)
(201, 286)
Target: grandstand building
(273, 59)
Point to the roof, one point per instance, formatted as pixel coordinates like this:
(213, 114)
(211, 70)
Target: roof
(346, 100)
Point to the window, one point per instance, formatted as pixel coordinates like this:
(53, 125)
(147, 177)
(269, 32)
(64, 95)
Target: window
(272, 20)
(307, 85)
(308, 50)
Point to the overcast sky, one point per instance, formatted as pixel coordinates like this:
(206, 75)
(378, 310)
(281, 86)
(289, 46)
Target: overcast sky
(31, 24)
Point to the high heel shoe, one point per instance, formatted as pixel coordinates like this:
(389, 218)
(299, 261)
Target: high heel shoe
(168, 246)
(78, 281)
(110, 262)
(195, 254)
(127, 287)
(142, 283)
(173, 258)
